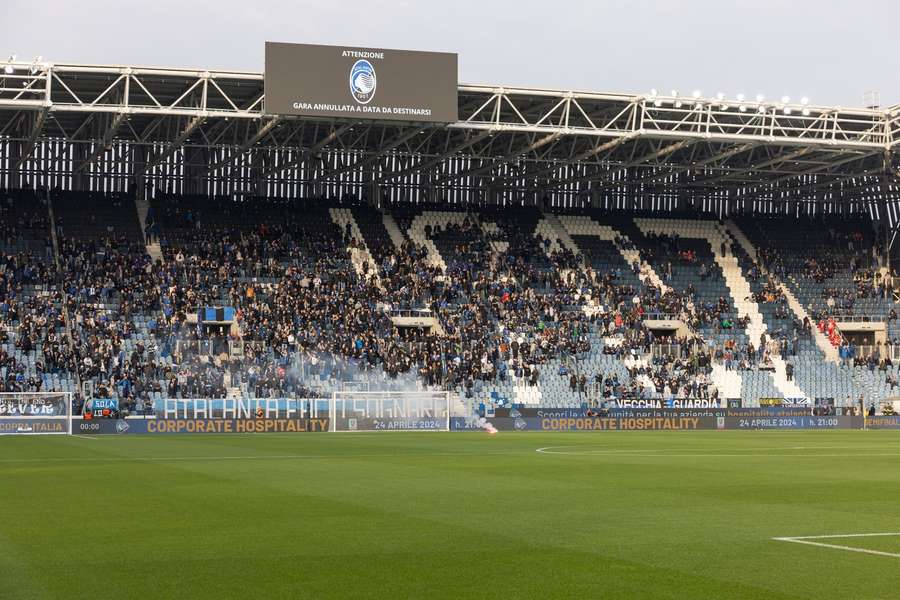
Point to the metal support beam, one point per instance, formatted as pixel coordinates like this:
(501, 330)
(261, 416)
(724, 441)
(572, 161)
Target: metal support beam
(104, 144)
(385, 149)
(755, 167)
(328, 139)
(470, 141)
(177, 143)
(832, 182)
(597, 150)
(523, 140)
(716, 158)
(247, 145)
(609, 175)
(534, 145)
(36, 131)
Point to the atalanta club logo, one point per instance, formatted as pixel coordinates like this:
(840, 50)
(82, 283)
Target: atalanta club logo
(363, 81)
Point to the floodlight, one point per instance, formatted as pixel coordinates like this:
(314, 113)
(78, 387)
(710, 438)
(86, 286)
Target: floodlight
(785, 99)
(696, 93)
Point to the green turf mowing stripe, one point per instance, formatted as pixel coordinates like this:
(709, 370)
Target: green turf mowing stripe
(455, 515)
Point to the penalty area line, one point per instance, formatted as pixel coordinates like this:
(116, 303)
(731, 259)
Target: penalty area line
(809, 541)
(597, 452)
(262, 457)
(694, 453)
(835, 536)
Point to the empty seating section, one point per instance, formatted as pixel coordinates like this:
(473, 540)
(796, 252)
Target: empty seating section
(824, 259)
(24, 223)
(785, 333)
(604, 257)
(374, 233)
(461, 245)
(97, 216)
(255, 236)
(516, 230)
(533, 308)
(686, 264)
(828, 265)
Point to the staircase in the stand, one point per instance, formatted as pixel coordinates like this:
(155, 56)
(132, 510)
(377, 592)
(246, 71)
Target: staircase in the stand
(393, 230)
(359, 255)
(738, 286)
(490, 230)
(67, 317)
(155, 252)
(527, 394)
(584, 225)
(831, 353)
(544, 230)
(637, 362)
(742, 240)
(549, 228)
(436, 220)
(788, 388)
(560, 234)
(153, 248)
(728, 383)
(143, 208)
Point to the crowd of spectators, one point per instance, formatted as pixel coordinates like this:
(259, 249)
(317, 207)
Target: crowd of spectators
(508, 303)
(31, 318)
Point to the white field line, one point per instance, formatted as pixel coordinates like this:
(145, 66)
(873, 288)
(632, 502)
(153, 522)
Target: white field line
(807, 539)
(163, 459)
(712, 454)
(761, 452)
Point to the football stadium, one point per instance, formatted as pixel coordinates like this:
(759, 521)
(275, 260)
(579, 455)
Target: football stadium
(346, 326)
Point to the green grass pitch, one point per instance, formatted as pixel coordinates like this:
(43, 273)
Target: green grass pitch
(441, 515)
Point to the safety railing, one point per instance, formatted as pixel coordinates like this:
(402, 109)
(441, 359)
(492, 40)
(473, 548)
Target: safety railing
(663, 350)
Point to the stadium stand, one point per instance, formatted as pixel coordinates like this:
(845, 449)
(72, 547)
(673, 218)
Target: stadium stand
(36, 353)
(520, 306)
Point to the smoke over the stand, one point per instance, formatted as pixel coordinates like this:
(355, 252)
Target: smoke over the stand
(325, 373)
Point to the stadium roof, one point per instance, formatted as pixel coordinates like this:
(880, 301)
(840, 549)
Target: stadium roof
(190, 130)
